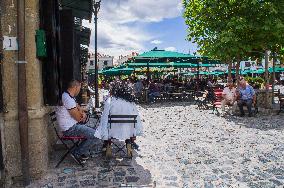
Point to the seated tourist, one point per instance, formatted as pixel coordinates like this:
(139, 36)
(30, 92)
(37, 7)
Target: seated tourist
(228, 95)
(72, 118)
(138, 87)
(121, 102)
(247, 97)
(153, 92)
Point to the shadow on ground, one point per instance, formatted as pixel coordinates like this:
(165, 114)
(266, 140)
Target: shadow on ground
(97, 172)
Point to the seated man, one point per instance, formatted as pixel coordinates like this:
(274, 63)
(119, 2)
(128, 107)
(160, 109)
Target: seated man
(138, 87)
(120, 103)
(70, 118)
(247, 97)
(153, 92)
(228, 95)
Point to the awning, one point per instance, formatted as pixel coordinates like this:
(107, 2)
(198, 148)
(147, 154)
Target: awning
(84, 35)
(81, 8)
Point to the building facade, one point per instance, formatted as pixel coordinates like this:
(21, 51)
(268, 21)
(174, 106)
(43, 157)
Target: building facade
(122, 59)
(104, 61)
(45, 68)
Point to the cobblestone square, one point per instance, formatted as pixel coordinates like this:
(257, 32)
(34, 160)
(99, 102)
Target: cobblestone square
(186, 147)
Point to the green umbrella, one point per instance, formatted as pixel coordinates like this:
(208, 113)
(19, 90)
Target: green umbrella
(277, 69)
(258, 71)
(118, 71)
(152, 64)
(163, 54)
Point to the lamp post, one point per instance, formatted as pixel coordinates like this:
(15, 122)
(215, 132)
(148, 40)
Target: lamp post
(96, 8)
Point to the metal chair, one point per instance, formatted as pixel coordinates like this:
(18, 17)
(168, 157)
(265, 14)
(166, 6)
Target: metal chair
(76, 140)
(117, 119)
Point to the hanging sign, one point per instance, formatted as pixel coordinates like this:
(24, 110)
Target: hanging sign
(10, 43)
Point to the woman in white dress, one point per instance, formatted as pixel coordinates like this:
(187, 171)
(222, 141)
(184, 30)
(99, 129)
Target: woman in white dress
(120, 102)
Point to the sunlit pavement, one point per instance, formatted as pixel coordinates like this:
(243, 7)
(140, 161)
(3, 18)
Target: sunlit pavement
(186, 147)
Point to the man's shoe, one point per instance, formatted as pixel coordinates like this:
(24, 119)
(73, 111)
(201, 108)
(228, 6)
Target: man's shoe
(250, 115)
(104, 148)
(242, 115)
(84, 157)
(78, 159)
(135, 146)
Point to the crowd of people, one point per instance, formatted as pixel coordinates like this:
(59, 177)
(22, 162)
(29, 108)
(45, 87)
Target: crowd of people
(242, 96)
(154, 87)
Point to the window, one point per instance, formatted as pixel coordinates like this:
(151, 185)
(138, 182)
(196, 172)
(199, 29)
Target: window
(105, 63)
(91, 62)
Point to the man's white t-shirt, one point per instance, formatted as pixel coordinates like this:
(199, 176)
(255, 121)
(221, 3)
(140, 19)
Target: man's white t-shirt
(64, 119)
(229, 93)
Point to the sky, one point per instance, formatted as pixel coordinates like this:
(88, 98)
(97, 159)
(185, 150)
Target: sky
(126, 26)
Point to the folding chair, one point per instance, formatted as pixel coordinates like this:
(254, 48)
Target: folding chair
(116, 119)
(201, 99)
(216, 103)
(76, 140)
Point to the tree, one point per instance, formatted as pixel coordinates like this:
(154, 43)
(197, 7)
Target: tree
(233, 29)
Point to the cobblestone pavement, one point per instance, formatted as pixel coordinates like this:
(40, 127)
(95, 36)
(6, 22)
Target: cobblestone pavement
(186, 147)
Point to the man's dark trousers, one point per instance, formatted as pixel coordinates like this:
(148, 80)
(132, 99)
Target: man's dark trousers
(248, 103)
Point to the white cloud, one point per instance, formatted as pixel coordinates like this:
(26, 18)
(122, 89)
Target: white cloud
(156, 42)
(171, 48)
(125, 11)
(121, 24)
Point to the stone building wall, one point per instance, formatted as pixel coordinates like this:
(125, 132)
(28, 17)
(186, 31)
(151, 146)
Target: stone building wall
(38, 136)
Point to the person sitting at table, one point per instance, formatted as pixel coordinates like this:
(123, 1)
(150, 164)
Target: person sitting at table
(228, 95)
(121, 102)
(72, 119)
(153, 91)
(167, 85)
(138, 87)
(246, 97)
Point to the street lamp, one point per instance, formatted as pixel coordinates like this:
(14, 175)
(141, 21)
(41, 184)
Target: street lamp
(96, 8)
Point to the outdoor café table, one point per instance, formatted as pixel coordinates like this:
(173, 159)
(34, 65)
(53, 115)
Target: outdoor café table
(189, 94)
(176, 95)
(181, 89)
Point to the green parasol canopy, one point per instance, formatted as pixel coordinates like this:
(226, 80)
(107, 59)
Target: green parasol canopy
(117, 71)
(277, 69)
(141, 65)
(163, 54)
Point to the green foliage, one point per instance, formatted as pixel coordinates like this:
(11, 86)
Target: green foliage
(256, 82)
(230, 29)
